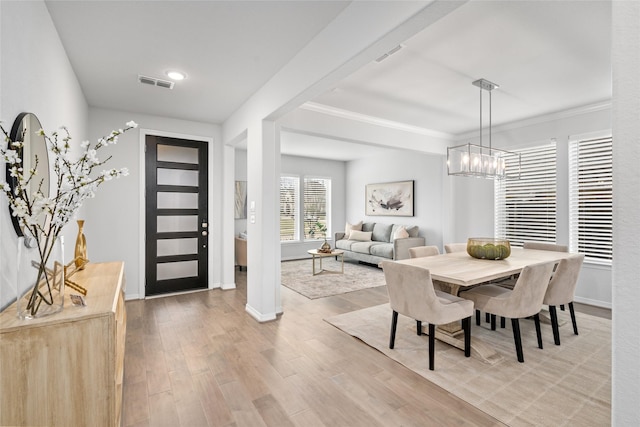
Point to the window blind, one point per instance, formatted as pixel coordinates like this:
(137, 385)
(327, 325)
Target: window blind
(289, 201)
(316, 207)
(591, 199)
(525, 208)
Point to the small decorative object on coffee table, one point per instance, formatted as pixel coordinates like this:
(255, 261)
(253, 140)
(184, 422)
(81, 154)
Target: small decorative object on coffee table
(488, 248)
(316, 253)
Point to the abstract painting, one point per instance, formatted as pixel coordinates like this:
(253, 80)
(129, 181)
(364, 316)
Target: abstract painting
(389, 199)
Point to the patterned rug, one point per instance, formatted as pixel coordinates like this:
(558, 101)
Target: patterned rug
(566, 385)
(297, 275)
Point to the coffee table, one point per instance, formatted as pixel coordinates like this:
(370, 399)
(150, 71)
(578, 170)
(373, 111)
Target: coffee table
(317, 254)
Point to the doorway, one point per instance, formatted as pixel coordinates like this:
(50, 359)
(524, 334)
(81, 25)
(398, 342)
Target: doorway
(177, 228)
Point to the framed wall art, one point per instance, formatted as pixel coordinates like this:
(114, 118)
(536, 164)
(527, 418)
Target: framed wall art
(241, 200)
(389, 199)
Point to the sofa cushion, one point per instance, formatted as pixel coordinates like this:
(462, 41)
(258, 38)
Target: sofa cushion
(362, 247)
(361, 236)
(349, 227)
(382, 249)
(399, 233)
(368, 226)
(344, 244)
(381, 232)
(413, 230)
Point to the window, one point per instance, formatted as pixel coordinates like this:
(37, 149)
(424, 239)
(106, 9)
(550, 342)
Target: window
(591, 198)
(289, 200)
(526, 208)
(316, 201)
(315, 205)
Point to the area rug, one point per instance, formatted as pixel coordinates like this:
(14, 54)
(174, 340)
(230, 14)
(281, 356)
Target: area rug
(566, 385)
(297, 275)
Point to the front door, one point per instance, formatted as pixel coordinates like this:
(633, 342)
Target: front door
(176, 215)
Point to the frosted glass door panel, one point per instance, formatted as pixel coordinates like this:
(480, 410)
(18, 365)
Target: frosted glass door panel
(177, 177)
(169, 153)
(171, 224)
(170, 247)
(177, 270)
(177, 200)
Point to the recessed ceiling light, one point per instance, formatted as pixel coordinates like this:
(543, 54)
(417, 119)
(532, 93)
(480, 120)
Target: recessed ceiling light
(176, 75)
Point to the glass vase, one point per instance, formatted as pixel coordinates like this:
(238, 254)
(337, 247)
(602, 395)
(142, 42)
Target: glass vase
(40, 278)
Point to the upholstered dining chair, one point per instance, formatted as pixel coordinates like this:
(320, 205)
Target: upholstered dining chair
(455, 247)
(411, 294)
(544, 246)
(561, 290)
(523, 301)
(422, 251)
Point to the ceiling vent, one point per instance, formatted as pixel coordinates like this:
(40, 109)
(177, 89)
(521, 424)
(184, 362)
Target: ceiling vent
(155, 82)
(388, 54)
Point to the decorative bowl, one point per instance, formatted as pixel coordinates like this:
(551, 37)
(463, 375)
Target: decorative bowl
(488, 248)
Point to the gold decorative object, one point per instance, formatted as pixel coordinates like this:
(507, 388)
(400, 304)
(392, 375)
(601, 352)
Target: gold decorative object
(325, 248)
(72, 268)
(80, 252)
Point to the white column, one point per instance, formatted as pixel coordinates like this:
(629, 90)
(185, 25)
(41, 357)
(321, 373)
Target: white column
(625, 410)
(263, 229)
(228, 220)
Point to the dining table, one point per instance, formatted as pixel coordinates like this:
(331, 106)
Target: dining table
(454, 271)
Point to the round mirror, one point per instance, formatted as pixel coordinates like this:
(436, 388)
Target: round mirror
(34, 154)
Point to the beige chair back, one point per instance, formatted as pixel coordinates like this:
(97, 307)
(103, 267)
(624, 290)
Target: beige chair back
(543, 246)
(411, 294)
(526, 297)
(423, 251)
(455, 247)
(562, 286)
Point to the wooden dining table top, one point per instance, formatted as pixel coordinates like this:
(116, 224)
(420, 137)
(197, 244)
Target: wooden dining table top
(462, 269)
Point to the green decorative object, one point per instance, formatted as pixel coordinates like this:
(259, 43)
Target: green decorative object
(488, 248)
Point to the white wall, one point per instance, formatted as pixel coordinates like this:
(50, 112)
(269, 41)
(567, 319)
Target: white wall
(114, 226)
(427, 172)
(304, 166)
(472, 199)
(36, 77)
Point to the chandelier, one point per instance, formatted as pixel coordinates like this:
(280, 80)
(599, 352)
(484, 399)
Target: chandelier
(479, 161)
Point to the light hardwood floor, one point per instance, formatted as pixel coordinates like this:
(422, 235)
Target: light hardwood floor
(199, 360)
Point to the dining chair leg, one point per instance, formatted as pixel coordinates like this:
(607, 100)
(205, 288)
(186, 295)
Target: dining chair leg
(573, 318)
(394, 323)
(502, 322)
(478, 317)
(554, 324)
(536, 321)
(432, 345)
(419, 327)
(493, 322)
(466, 327)
(562, 307)
(487, 317)
(515, 325)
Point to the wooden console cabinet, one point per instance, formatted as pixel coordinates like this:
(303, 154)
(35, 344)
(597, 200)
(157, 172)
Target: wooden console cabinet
(67, 369)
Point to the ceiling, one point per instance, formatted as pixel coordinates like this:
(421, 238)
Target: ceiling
(547, 56)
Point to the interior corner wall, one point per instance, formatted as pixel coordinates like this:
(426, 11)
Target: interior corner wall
(36, 77)
(427, 170)
(113, 228)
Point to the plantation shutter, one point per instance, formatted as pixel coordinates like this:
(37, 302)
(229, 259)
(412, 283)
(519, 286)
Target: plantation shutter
(289, 196)
(591, 198)
(525, 208)
(316, 201)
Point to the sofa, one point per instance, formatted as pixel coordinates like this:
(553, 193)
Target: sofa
(241, 253)
(372, 242)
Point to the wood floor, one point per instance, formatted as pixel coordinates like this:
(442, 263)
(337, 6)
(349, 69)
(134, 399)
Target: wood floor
(199, 360)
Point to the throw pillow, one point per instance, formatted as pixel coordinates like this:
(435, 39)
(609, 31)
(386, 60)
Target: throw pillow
(400, 233)
(361, 236)
(350, 227)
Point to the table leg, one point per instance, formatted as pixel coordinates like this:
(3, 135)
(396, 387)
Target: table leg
(313, 262)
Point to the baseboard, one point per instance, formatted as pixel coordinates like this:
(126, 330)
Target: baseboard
(227, 286)
(593, 302)
(259, 316)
